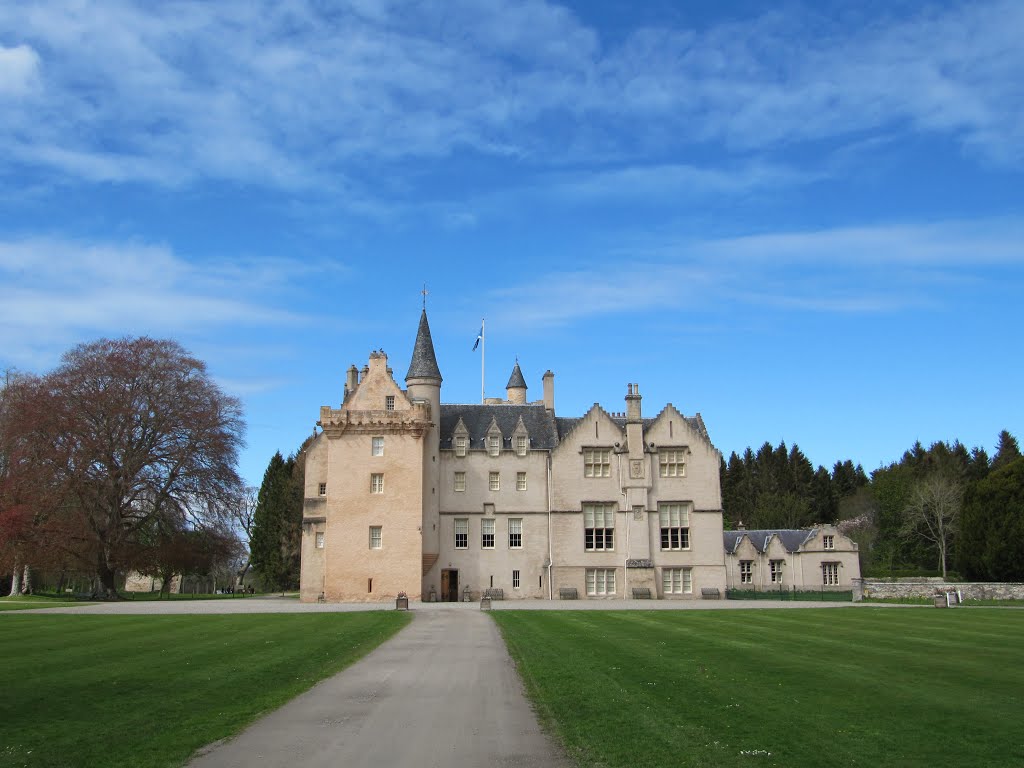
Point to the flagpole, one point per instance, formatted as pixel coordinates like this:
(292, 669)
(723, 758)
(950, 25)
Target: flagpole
(483, 354)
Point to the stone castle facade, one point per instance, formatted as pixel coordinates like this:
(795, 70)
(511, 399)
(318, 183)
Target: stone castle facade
(405, 494)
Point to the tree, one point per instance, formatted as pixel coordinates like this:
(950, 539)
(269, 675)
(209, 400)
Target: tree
(991, 546)
(933, 512)
(130, 432)
(274, 545)
(243, 514)
(1007, 450)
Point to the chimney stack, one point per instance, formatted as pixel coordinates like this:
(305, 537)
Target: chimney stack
(549, 391)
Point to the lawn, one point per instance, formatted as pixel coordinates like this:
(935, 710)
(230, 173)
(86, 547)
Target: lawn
(24, 603)
(865, 686)
(144, 691)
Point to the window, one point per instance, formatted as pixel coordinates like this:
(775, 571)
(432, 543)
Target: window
(389, 403)
(515, 533)
(376, 540)
(377, 483)
(493, 445)
(322, 489)
(319, 539)
(487, 533)
(494, 481)
(672, 463)
(675, 526)
(460, 446)
(746, 571)
(520, 445)
(461, 533)
(828, 542)
(515, 579)
(600, 581)
(677, 581)
(376, 446)
(598, 527)
(597, 462)
(520, 481)
(776, 571)
(830, 573)
(460, 481)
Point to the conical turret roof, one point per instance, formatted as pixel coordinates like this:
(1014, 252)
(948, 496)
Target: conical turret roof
(516, 380)
(424, 362)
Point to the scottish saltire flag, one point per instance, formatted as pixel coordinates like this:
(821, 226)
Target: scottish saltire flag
(479, 336)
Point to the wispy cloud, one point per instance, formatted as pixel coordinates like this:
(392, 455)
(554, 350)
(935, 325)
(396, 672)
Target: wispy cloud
(865, 270)
(54, 292)
(306, 96)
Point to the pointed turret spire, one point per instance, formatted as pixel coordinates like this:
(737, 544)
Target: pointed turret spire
(424, 362)
(516, 379)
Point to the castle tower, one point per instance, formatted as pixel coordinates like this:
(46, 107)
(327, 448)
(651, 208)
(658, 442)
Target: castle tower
(515, 390)
(423, 382)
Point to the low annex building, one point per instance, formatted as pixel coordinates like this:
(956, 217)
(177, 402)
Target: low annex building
(446, 501)
(816, 558)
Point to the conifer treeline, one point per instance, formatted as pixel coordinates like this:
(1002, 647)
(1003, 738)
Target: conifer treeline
(894, 514)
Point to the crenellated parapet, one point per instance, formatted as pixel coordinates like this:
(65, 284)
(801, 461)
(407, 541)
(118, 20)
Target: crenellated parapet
(413, 421)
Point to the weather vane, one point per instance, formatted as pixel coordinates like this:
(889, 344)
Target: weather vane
(424, 292)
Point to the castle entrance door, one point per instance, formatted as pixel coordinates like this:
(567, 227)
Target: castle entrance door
(450, 585)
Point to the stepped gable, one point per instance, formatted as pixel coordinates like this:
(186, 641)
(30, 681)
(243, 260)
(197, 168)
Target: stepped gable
(539, 423)
(424, 361)
(792, 539)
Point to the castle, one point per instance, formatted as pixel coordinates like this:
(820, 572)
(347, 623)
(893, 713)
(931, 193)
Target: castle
(405, 494)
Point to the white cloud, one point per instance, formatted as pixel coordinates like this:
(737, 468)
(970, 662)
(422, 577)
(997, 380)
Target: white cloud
(19, 70)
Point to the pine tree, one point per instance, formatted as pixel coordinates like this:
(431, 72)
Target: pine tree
(1007, 450)
(272, 546)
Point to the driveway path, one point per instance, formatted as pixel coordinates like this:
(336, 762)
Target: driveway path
(442, 692)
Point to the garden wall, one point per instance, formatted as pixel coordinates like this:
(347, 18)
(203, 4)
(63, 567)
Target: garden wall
(927, 587)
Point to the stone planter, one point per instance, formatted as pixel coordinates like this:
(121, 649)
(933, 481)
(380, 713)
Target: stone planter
(940, 601)
(401, 603)
(485, 604)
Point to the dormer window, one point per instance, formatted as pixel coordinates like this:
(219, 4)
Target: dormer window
(493, 445)
(521, 445)
(460, 446)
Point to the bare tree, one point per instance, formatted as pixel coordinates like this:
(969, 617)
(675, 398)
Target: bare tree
(934, 511)
(131, 432)
(243, 514)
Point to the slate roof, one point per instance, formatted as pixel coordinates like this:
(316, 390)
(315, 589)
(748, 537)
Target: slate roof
(539, 423)
(424, 362)
(791, 539)
(516, 379)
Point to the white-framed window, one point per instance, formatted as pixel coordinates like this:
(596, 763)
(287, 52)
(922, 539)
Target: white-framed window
(828, 542)
(520, 481)
(515, 579)
(460, 481)
(597, 462)
(775, 568)
(672, 463)
(677, 581)
(515, 533)
(746, 571)
(487, 533)
(377, 446)
(389, 403)
(322, 489)
(830, 573)
(493, 445)
(319, 539)
(600, 581)
(377, 482)
(521, 445)
(598, 527)
(461, 533)
(460, 446)
(675, 525)
(494, 481)
(376, 537)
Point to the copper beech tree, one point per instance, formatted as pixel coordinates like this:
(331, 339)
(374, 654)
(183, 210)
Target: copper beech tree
(126, 437)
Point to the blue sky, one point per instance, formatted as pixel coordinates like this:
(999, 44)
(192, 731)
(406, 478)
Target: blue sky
(803, 220)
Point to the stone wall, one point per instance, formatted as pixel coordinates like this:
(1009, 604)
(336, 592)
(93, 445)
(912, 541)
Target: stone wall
(927, 587)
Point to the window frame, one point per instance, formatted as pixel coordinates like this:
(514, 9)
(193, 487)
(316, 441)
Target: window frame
(376, 537)
(828, 541)
(515, 578)
(463, 523)
(515, 533)
(485, 524)
(459, 482)
(461, 445)
(597, 462)
(389, 402)
(599, 538)
(674, 526)
(522, 445)
(494, 445)
(775, 570)
(677, 580)
(597, 582)
(830, 574)
(672, 462)
(377, 483)
(746, 571)
(377, 445)
(318, 540)
(494, 481)
(322, 489)
(520, 481)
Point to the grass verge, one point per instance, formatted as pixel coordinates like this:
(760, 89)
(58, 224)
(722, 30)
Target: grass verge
(25, 602)
(785, 688)
(147, 691)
